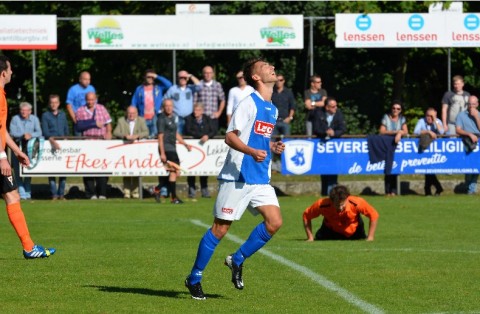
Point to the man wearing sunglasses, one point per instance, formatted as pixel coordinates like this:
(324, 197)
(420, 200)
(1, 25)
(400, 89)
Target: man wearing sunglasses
(182, 95)
(314, 97)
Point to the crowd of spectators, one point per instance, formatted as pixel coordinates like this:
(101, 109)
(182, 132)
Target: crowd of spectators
(198, 104)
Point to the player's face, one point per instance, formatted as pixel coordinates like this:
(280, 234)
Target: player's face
(340, 206)
(8, 73)
(266, 71)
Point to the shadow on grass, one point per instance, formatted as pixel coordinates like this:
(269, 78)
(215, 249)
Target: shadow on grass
(145, 291)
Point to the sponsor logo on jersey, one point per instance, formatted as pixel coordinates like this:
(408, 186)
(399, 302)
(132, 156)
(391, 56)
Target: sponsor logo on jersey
(228, 211)
(263, 128)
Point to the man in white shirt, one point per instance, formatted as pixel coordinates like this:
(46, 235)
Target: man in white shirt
(237, 93)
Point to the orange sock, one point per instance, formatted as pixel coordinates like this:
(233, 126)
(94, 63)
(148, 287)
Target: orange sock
(17, 219)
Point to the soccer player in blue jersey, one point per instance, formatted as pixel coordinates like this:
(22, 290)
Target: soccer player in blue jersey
(244, 181)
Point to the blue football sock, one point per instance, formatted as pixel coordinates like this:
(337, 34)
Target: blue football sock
(257, 239)
(206, 247)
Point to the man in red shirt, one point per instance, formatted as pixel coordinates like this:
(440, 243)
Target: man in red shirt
(341, 217)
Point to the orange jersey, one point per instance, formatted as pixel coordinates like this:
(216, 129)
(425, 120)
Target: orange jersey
(3, 117)
(344, 222)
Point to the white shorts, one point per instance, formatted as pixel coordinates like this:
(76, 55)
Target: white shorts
(235, 197)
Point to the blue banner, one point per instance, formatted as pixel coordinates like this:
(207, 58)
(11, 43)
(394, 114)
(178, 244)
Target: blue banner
(350, 156)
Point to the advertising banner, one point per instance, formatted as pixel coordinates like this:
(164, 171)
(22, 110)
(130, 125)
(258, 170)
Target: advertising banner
(350, 156)
(32, 32)
(119, 158)
(301, 157)
(392, 30)
(189, 32)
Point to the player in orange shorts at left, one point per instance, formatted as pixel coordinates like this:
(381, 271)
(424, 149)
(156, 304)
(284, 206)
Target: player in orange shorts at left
(8, 186)
(341, 217)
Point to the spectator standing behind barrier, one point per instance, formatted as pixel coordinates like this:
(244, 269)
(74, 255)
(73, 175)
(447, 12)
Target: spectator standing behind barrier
(167, 147)
(131, 128)
(454, 102)
(430, 126)
(313, 97)
(468, 127)
(284, 100)
(395, 124)
(237, 93)
(76, 96)
(341, 217)
(93, 120)
(54, 123)
(212, 96)
(23, 127)
(148, 97)
(182, 95)
(8, 186)
(199, 126)
(328, 122)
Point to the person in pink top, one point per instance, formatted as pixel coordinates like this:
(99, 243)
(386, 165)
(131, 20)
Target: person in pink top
(93, 120)
(148, 98)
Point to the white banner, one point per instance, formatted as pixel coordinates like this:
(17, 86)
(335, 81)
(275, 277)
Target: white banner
(188, 32)
(32, 32)
(118, 158)
(391, 30)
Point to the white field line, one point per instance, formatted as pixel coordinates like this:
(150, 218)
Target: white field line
(319, 279)
(407, 250)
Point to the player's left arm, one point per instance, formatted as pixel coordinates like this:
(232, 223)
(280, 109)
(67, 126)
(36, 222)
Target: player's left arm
(277, 147)
(366, 209)
(371, 230)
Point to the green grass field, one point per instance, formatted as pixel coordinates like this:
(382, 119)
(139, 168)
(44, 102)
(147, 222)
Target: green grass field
(120, 256)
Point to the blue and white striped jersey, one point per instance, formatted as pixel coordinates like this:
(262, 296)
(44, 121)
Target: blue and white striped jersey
(254, 119)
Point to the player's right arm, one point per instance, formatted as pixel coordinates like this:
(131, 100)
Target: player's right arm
(310, 213)
(232, 140)
(5, 167)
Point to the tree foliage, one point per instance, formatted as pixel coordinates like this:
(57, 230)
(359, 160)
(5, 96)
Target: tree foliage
(364, 81)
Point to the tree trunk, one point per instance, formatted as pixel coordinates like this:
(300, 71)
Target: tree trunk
(399, 74)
